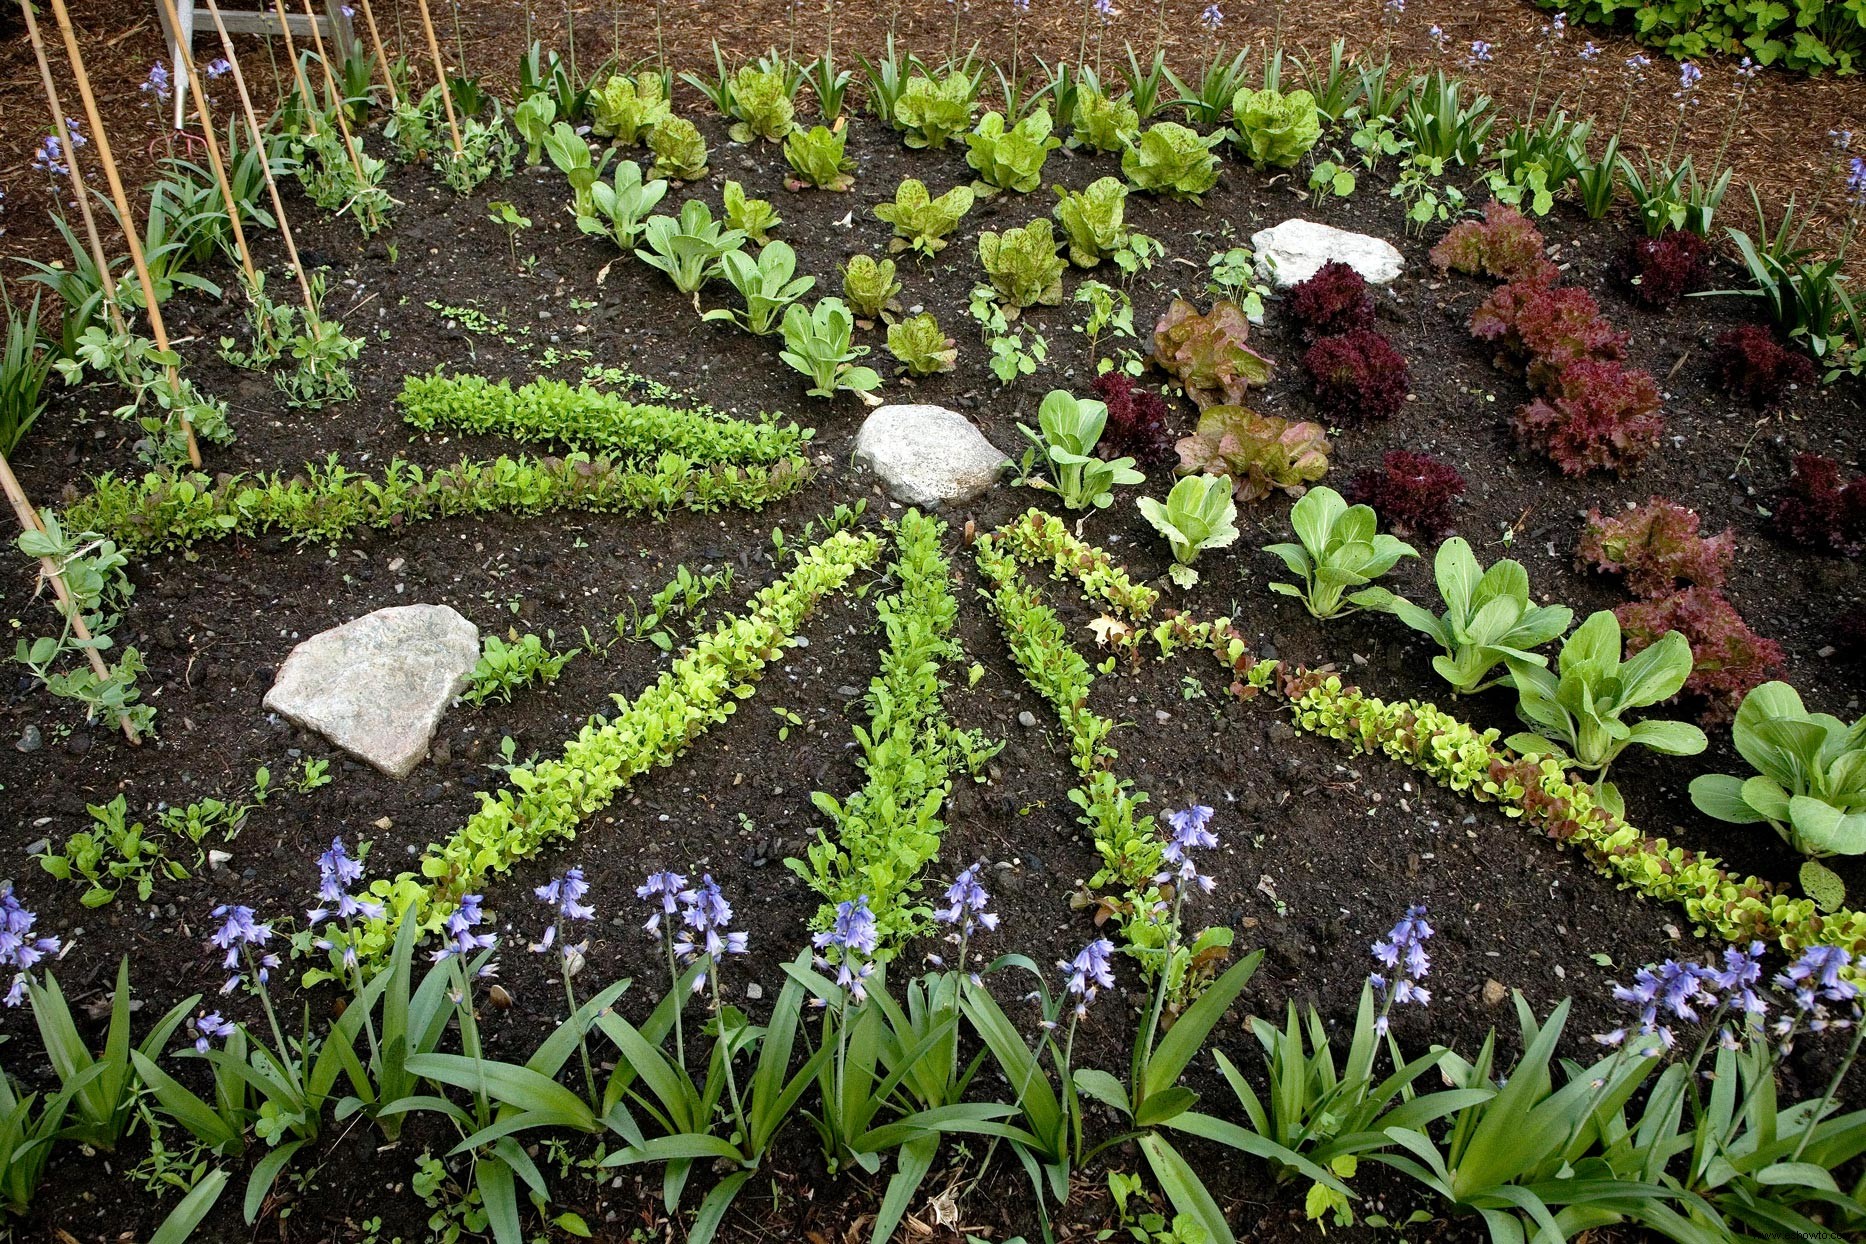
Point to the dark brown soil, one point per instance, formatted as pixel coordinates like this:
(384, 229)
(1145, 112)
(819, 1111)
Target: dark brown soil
(1322, 850)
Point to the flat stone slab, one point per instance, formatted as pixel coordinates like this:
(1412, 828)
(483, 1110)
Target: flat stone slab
(928, 455)
(377, 686)
(1295, 250)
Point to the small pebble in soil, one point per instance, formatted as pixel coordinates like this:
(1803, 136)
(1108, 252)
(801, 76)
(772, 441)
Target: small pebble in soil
(1027, 719)
(30, 740)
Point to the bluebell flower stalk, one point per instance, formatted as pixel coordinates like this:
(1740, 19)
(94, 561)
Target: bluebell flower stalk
(667, 891)
(565, 896)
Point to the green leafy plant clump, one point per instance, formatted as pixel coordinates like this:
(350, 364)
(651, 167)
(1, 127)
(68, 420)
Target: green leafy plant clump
(1011, 157)
(922, 222)
(1488, 618)
(1338, 548)
(628, 109)
(1197, 514)
(327, 503)
(508, 665)
(819, 341)
(920, 345)
(1172, 160)
(679, 150)
(1809, 783)
(931, 114)
(1275, 129)
(1068, 429)
(767, 284)
(1576, 712)
(1023, 266)
(819, 157)
(583, 417)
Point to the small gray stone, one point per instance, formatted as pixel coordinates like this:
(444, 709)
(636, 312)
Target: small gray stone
(1295, 250)
(377, 686)
(754, 991)
(30, 740)
(927, 455)
(1027, 719)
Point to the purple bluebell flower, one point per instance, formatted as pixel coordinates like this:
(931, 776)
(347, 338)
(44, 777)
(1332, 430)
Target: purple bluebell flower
(1212, 18)
(565, 895)
(705, 913)
(1673, 990)
(1856, 181)
(462, 941)
(1089, 972)
(1402, 952)
(1739, 976)
(1440, 39)
(966, 901)
(1189, 833)
(19, 950)
(670, 888)
(219, 67)
(1104, 9)
(1590, 51)
(240, 934)
(1638, 62)
(158, 83)
(336, 873)
(1689, 75)
(852, 938)
(1480, 52)
(208, 1028)
(1841, 140)
(49, 158)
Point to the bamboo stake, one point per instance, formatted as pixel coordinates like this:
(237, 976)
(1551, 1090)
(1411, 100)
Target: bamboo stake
(330, 85)
(71, 168)
(258, 133)
(53, 574)
(202, 110)
(382, 55)
(440, 71)
(298, 70)
(156, 327)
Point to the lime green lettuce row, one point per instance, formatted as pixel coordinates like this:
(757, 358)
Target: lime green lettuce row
(547, 802)
(1456, 754)
(325, 503)
(586, 418)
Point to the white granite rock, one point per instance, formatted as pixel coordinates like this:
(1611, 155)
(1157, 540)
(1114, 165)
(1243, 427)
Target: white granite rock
(1295, 250)
(928, 455)
(377, 686)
